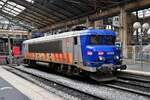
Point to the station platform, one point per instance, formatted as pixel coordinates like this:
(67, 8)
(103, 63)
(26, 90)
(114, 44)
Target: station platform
(136, 72)
(9, 92)
(137, 65)
(145, 67)
(13, 87)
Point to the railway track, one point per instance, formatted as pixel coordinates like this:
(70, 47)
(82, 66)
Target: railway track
(74, 93)
(78, 89)
(138, 84)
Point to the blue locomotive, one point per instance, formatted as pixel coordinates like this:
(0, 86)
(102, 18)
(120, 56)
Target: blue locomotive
(89, 51)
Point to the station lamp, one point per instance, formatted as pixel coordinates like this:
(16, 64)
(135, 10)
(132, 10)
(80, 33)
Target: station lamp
(148, 32)
(137, 25)
(145, 26)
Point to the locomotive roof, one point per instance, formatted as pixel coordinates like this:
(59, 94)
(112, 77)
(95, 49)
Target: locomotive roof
(70, 34)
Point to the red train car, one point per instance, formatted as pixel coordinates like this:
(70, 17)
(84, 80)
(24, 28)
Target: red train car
(16, 52)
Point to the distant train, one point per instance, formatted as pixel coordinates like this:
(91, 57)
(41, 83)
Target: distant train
(89, 51)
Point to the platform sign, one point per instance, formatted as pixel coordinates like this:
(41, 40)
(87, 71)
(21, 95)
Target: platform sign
(115, 21)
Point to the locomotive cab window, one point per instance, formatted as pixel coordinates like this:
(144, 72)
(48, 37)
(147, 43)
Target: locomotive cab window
(110, 40)
(75, 40)
(102, 40)
(95, 39)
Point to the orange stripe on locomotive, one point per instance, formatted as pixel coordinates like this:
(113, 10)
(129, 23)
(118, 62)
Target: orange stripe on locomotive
(53, 57)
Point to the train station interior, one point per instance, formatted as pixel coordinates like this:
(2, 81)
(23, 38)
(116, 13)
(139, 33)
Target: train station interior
(48, 49)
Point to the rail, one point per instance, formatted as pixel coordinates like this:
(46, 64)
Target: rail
(134, 82)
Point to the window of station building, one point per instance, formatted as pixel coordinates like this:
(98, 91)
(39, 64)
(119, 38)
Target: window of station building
(24, 36)
(11, 36)
(17, 36)
(75, 40)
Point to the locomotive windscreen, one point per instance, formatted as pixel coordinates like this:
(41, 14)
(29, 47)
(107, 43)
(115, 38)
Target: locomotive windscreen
(46, 47)
(102, 40)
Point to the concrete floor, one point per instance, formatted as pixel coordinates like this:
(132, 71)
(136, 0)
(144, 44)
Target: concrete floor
(9, 92)
(32, 91)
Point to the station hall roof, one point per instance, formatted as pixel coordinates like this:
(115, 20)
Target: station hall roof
(35, 14)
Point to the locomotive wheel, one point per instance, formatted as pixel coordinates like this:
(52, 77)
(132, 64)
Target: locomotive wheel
(57, 67)
(66, 69)
(75, 71)
(119, 62)
(32, 63)
(51, 66)
(25, 61)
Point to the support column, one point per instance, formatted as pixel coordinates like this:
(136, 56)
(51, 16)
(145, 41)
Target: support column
(89, 23)
(10, 51)
(123, 31)
(29, 35)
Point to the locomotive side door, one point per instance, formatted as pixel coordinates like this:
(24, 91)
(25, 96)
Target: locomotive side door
(75, 50)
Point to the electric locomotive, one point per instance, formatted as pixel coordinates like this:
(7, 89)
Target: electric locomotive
(90, 51)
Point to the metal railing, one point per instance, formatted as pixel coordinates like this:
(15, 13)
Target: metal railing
(136, 54)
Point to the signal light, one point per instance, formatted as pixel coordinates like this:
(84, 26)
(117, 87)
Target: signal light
(100, 53)
(89, 53)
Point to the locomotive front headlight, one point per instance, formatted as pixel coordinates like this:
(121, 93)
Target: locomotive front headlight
(101, 58)
(116, 57)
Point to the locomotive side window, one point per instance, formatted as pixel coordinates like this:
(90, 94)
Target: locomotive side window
(75, 40)
(47, 47)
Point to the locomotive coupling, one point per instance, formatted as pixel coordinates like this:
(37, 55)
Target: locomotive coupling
(110, 67)
(105, 68)
(122, 67)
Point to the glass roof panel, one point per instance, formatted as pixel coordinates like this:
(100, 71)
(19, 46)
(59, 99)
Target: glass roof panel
(143, 13)
(12, 3)
(0, 6)
(1, 3)
(4, 0)
(20, 7)
(15, 12)
(31, 1)
(9, 6)
(7, 9)
(18, 10)
(11, 14)
(8, 12)
(12, 8)
(147, 15)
